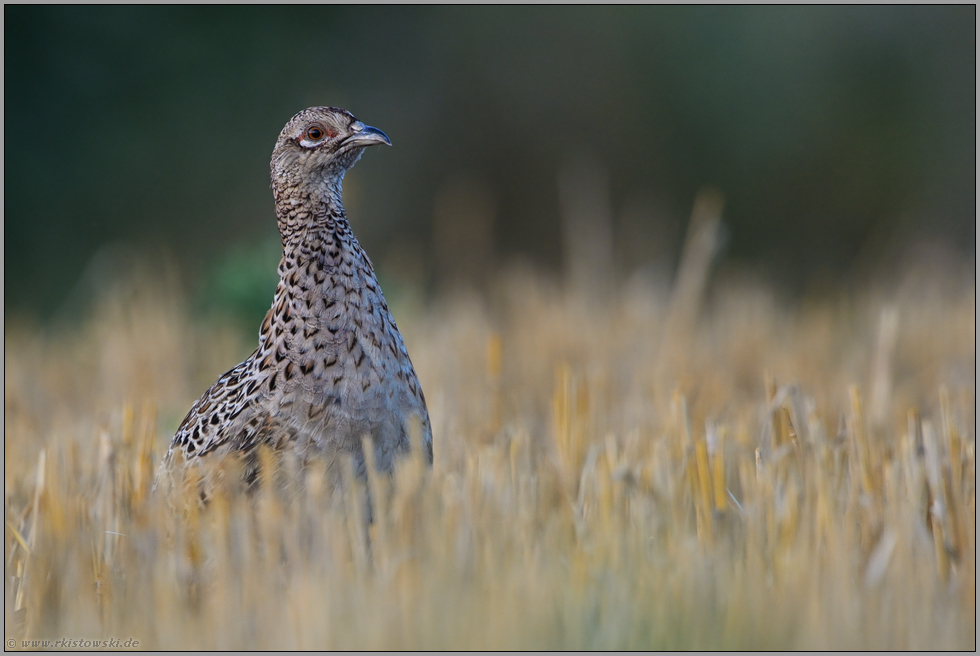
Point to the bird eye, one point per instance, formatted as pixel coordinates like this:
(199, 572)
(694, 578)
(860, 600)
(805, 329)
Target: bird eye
(314, 134)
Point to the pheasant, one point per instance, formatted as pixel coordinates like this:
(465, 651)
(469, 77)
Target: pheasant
(331, 366)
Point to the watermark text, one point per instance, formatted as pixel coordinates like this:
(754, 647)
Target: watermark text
(74, 643)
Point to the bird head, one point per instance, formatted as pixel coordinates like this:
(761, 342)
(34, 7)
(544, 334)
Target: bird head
(319, 145)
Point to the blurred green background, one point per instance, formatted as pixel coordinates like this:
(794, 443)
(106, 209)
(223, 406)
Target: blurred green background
(838, 135)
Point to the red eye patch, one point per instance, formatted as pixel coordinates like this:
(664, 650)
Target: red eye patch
(317, 133)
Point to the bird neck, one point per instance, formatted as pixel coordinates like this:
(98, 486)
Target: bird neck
(319, 247)
(310, 210)
(322, 262)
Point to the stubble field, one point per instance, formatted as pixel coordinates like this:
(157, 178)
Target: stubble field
(645, 468)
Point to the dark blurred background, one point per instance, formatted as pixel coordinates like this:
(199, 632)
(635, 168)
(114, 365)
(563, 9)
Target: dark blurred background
(838, 136)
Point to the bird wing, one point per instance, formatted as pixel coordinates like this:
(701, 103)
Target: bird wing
(228, 413)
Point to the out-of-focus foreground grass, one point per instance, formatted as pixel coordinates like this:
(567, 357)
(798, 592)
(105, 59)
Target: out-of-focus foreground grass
(614, 470)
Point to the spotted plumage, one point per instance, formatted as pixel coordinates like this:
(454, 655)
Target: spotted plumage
(331, 366)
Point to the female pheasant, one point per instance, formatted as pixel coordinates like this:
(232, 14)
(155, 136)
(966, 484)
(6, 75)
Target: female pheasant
(331, 366)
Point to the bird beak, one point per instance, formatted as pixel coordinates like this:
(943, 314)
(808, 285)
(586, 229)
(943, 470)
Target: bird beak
(365, 135)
